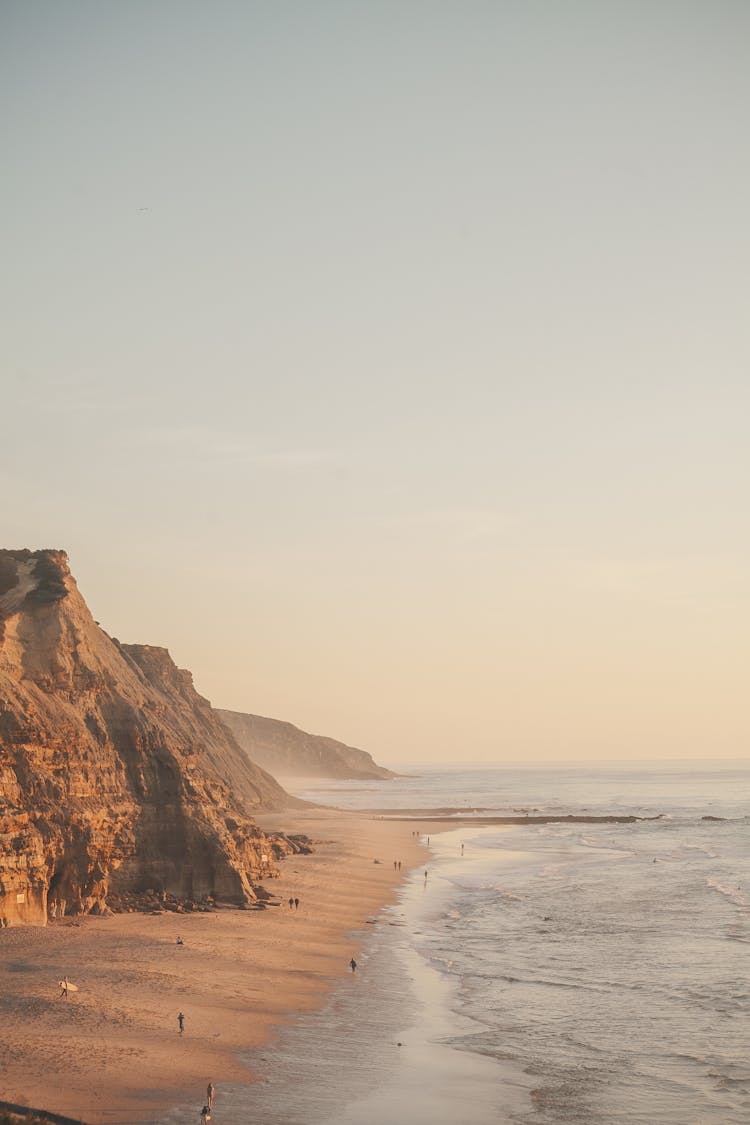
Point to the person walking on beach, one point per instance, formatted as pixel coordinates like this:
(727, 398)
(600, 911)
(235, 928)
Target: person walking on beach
(210, 1091)
(64, 989)
(291, 903)
(181, 1022)
(353, 964)
(296, 904)
(179, 940)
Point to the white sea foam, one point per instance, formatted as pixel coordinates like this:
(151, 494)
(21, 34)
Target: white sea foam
(577, 957)
(701, 848)
(735, 894)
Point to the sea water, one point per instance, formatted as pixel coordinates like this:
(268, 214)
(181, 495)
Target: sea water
(549, 974)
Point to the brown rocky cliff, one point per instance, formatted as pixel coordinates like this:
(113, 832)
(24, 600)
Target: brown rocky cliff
(286, 751)
(115, 775)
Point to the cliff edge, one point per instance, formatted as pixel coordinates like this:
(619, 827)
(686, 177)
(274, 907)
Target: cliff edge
(286, 751)
(116, 776)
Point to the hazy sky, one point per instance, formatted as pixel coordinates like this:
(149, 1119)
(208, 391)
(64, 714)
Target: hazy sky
(388, 361)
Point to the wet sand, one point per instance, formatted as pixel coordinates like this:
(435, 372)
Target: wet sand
(112, 1051)
(389, 1044)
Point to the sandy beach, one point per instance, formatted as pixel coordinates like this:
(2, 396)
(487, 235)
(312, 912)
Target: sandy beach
(112, 1051)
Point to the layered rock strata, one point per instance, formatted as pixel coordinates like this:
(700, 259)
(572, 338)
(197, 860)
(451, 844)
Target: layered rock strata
(116, 776)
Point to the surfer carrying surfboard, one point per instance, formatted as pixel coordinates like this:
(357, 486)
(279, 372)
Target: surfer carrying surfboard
(66, 988)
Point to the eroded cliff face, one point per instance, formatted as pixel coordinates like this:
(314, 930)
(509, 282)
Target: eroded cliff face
(287, 751)
(115, 775)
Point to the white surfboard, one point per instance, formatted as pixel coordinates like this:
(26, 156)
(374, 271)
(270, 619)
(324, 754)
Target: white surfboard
(70, 987)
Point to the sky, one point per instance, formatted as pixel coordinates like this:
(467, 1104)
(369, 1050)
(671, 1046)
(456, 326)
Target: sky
(388, 362)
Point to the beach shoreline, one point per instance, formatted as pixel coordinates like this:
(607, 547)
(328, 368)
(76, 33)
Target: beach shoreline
(394, 1044)
(113, 1052)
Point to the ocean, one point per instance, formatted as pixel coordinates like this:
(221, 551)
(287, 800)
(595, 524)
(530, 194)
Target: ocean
(602, 968)
(542, 974)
